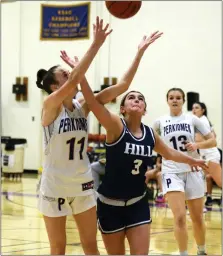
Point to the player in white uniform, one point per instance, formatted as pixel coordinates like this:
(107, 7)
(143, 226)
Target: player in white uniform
(179, 182)
(211, 154)
(66, 186)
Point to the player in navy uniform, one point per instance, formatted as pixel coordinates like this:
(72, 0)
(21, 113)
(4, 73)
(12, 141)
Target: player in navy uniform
(122, 205)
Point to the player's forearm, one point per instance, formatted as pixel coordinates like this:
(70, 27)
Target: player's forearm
(87, 92)
(126, 80)
(210, 143)
(122, 86)
(179, 157)
(78, 72)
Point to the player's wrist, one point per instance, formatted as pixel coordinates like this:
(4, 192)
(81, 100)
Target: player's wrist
(140, 53)
(197, 145)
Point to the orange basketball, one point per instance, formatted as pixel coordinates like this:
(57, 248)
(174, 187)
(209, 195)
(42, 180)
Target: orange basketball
(123, 9)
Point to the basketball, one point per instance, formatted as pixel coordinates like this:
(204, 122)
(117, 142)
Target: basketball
(123, 9)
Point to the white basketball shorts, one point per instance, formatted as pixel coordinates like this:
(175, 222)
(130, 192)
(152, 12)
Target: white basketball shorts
(191, 183)
(214, 157)
(57, 207)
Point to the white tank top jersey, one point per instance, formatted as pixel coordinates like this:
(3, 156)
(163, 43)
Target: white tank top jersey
(175, 131)
(66, 168)
(208, 152)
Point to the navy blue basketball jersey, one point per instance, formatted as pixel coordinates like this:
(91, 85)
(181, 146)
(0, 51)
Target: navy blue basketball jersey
(126, 163)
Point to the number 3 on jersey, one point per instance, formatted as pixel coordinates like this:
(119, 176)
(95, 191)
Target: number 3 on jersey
(72, 147)
(137, 163)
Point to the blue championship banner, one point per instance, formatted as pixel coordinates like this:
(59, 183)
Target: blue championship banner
(65, 22)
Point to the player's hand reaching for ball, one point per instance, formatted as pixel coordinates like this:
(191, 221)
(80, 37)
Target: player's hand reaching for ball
(100, 33)
(147, 40)
(71, 62)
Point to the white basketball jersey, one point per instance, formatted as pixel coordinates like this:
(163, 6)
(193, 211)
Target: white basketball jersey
(66, 168)
(175, 131)
(209, 152)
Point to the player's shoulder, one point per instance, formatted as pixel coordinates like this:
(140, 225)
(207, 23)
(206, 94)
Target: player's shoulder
(148, 128)
(163, 118)
(204, 119)
(190, 116)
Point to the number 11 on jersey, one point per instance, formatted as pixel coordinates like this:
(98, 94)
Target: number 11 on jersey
(72, 147)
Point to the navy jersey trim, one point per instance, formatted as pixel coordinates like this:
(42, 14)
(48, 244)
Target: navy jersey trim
(135, 138)
(118, 140)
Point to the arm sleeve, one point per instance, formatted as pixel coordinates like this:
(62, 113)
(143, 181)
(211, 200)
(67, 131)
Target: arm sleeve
(200, 127)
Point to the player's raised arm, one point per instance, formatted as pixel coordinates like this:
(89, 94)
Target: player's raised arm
(56, 98)
(114, 91)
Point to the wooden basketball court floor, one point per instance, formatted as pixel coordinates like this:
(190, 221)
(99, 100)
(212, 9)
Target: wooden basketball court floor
(23, 231)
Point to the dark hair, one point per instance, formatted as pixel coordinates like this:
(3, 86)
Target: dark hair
(125, 96)
(46, 78)
(203, 107)
(176, 89)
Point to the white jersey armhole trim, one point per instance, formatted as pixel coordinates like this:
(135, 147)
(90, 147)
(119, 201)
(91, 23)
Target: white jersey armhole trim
(119, 139)
(78, 107)
(152, 132)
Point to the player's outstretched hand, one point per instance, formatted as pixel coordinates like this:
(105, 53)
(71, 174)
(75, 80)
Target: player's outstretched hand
(71, 62)
(147, 40)
(100, 33)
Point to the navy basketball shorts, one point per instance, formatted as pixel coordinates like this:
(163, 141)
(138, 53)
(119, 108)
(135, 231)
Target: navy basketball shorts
(113, 219)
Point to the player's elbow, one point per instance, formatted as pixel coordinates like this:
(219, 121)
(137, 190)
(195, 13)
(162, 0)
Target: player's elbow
(124, 86)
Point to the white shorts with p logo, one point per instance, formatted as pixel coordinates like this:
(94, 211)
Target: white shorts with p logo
(191, 183)
(57, 207)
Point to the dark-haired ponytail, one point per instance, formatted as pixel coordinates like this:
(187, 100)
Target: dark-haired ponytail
(40, 76)
(46, 78)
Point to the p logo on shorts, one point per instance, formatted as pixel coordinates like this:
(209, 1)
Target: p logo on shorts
(61, 201)
(168, 182)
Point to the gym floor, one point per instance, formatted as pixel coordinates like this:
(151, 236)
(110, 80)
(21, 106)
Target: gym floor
(23, 229)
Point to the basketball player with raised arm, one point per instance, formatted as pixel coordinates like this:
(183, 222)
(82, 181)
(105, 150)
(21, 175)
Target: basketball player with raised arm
(122, 205)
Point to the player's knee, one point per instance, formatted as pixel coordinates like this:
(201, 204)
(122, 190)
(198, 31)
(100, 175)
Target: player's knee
(180, 220)
(140, 251)
(208, 178)
(197, 219)
(89, 245)
(158, 175)
(58, 248)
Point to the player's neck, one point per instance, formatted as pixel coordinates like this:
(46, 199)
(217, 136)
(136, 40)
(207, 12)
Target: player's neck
(133, 124)
(176, 113)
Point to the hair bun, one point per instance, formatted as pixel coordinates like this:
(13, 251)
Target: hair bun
(40, 75)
